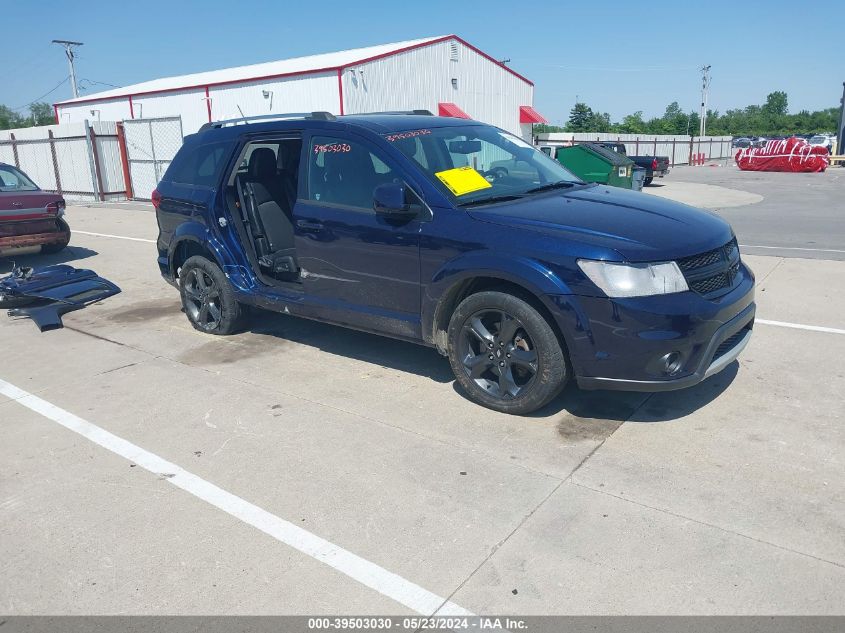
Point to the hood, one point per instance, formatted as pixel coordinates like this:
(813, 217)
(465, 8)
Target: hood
(638, 226)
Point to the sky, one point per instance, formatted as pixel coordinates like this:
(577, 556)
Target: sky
(618, 57)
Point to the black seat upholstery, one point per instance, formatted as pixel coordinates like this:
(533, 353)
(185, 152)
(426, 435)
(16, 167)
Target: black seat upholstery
(268, 213)
(350, 178)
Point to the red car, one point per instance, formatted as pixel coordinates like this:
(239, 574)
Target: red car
(30, 219)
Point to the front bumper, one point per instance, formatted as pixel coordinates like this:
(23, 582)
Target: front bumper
(711, 363)
(623, 344)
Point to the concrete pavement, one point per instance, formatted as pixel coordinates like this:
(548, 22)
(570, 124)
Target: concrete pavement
(724, 498)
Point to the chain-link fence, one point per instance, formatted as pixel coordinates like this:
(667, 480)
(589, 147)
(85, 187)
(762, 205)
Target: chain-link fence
(151, 145)
(81, 161)
(681, 150)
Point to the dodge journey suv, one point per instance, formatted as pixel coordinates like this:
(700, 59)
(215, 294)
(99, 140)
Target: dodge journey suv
(395, 223)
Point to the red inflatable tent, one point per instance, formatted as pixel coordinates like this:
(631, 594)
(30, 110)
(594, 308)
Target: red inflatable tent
(791, 154)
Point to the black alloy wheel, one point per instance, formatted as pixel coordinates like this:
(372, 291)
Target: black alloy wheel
(504, 353)
(208, 298)
(202, 299)
(497, 353)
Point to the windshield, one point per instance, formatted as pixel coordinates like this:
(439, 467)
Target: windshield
(12, 179)
(472, 164)
(818, 140)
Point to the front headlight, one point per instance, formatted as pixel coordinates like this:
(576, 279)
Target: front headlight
(635, 280)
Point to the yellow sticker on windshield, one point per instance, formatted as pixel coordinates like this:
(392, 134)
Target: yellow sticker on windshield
(463, 180)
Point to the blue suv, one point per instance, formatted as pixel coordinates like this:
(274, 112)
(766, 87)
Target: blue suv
(395, 223)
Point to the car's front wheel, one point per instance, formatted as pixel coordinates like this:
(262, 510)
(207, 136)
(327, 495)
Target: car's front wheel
(648, 180)
(207, 297)
(504, 353)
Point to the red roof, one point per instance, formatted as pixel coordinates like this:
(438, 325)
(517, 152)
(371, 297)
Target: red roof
(527, 114)
(450, 109)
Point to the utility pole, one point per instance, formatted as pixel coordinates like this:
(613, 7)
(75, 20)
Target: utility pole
(840, 133)
(69, 46)
(705, 86)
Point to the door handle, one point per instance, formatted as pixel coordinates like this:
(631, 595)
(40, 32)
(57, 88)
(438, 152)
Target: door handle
(309, 226)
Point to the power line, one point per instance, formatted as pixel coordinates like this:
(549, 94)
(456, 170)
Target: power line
(101, 83)
(641, 69)
(56, 87)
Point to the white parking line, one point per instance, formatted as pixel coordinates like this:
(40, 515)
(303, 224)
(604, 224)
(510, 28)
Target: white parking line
(117, 237)
(793, 248)
(801, 326)
(367, 573)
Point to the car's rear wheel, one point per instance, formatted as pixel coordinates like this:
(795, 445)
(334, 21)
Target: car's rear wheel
(58, 246)
(207, 297)
(504, 353)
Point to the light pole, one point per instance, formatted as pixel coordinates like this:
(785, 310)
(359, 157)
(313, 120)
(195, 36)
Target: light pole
(840, 133)
(69, 46)
(705, 85)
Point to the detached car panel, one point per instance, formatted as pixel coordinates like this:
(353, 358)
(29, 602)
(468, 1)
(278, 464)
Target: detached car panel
(45, 294)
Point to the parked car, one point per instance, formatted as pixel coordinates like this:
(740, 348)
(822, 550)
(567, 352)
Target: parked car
(388, 223)
(741, 143)
(823, 140)
(655, 166)
(513, 167)
(30, 219)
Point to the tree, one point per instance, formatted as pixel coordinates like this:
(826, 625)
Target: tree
(580, 118)
(599, 122)
(42, 113)
(544, 128)
(675, 120)
(632, 124)
(776, 103)
(10, 119)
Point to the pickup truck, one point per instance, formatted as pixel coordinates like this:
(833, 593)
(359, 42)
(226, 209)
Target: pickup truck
(655, 166)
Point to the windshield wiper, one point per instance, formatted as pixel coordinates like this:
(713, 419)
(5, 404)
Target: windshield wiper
(490, 200)
(560, 184)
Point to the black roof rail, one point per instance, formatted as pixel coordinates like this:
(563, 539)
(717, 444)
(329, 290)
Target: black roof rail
(316, 116)
(405, 112)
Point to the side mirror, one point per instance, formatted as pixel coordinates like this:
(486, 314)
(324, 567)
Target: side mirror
(390, 199)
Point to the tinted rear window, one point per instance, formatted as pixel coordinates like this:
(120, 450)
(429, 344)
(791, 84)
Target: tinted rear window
(199, 165)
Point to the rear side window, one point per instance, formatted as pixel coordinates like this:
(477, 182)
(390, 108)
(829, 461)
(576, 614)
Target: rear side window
(13, 180)
(199, 165)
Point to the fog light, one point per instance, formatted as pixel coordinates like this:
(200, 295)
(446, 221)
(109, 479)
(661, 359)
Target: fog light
(671, 363)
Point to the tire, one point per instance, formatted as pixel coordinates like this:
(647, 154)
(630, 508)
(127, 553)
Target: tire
(49, 249)
(648, 180)
(207, 297)
(481, 349)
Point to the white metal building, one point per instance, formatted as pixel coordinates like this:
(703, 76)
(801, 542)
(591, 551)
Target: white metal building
(445, 75)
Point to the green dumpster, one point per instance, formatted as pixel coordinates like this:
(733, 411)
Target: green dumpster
(593, 163)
